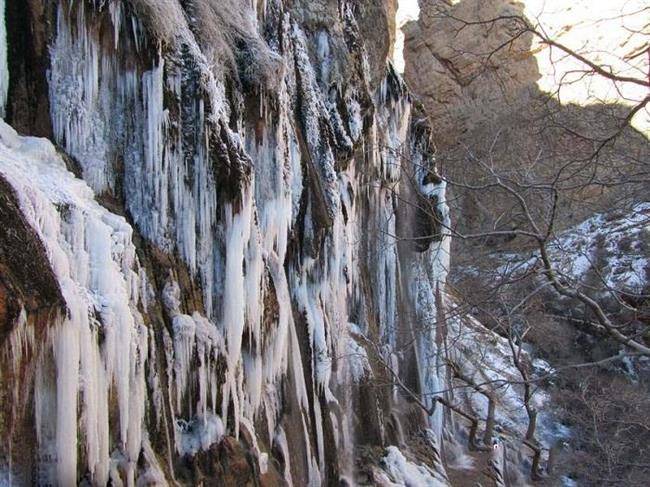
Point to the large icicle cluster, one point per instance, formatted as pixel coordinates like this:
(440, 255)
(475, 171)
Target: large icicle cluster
(94, 259)
(266, 188)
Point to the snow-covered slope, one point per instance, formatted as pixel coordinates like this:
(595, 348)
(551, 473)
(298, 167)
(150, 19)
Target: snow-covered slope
(607, 252)
(612, 246)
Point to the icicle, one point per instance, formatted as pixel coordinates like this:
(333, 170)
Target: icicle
(66, 353)
(238, 232)
(21, 340)
(184, 331)
(280, 441)
(253, 284)
(92, 255)
(115, 9)
(77, 119)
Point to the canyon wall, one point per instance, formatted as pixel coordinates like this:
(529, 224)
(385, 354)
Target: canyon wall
(209, 265)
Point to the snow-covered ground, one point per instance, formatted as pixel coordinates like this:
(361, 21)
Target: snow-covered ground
(614, 246)
(609, 251)
(486, 358)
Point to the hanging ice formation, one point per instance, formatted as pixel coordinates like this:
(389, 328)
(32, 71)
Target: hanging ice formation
(226, 262)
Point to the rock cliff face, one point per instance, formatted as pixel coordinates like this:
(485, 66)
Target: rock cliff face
(224, 256)
(475, 74)
(518, 159)
(206, 272)
(460, 71)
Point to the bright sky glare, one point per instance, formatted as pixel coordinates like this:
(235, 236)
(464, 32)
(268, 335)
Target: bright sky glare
(592, 27)
(408, 10)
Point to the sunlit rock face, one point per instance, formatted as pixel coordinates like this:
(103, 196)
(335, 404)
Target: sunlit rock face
(481, 82)
(458, 65)
(220, 230)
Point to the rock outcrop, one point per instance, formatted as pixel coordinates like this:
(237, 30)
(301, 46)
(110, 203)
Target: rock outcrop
(474, 71)
(467, 64)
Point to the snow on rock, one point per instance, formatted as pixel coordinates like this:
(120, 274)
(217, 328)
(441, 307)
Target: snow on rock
(608, 251)
(197, 345)
(357, 357)
(93, 257)
(611, 244)
(199, 434)
(486, 358)
(151, 472)
(312, 112)
(408, 474)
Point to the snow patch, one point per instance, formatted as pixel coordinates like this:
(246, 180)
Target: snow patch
(358, 363)
(408, 474)
(199, 434)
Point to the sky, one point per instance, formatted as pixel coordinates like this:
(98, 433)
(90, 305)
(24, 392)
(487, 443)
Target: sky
(591, 27)
(594, 28)
(408, 10)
